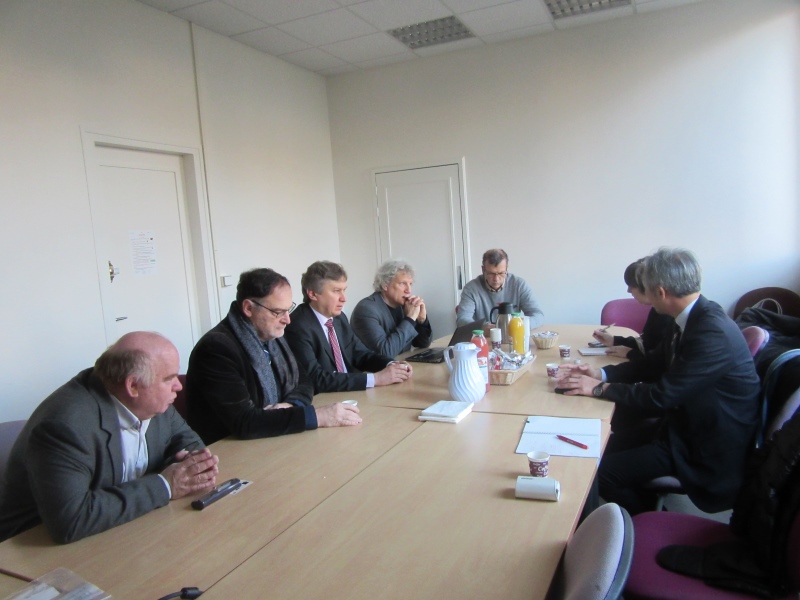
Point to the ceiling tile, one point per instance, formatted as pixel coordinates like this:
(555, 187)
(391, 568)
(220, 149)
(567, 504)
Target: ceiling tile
(390, 14)
(505, 17)
(280, 11)
(462, 6)
(595, 17)
(515, 34)
(218, 16)
(313, 59)
(329, 27)
(644, 6)
(389, 60)
(376, 45)
(448, 47)
(272, 41)
(170, 5)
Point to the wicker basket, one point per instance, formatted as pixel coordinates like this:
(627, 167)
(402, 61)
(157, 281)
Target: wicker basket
(545, 339)
(507, 377)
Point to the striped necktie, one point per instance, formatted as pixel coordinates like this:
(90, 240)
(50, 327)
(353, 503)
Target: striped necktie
(337, 352)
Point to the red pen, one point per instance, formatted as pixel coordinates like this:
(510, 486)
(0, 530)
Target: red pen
(573, 442)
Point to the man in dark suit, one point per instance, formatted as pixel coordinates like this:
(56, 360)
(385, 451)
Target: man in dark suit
(703, 382)
(243, 378)
(323, 341)
(106, 447)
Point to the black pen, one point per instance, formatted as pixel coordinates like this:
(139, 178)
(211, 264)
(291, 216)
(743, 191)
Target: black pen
(222, 490)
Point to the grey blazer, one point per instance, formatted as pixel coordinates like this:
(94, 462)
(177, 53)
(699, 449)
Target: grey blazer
(65, 468)
(386, 330)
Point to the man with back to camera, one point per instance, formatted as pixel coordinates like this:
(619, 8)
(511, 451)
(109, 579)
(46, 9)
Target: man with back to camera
(493, 286)
(703, 382)
(323, 341)
(243, 379)
(392, 319)
(106, 447)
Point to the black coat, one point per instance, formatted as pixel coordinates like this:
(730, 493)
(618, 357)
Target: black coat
(709, 398)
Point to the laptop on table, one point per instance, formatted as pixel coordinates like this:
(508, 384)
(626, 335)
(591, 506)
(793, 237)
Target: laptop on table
(436, 355)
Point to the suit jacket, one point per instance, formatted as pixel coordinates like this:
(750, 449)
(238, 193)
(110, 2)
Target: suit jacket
(656, 329)
(65, 468)
(313, 350)
(709, 398)
(224, 397)
(386, 330)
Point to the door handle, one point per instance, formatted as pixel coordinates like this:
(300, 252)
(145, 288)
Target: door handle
(112, 272)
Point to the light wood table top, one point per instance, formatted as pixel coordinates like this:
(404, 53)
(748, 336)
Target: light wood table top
(531, 394)
(435, 517)
(176, 546)
(390, 508)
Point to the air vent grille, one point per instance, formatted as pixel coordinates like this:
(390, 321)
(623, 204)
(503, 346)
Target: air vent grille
(570, 8)
(430, 33)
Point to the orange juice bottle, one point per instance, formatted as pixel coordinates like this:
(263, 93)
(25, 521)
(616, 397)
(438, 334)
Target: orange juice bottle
(516, 333)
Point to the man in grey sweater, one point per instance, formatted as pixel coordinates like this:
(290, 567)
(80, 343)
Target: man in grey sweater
(493, 286)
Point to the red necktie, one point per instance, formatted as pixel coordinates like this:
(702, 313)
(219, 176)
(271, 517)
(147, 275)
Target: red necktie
(337, 352)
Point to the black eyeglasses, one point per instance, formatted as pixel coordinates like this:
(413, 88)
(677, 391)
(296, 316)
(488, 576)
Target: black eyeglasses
(278, 313)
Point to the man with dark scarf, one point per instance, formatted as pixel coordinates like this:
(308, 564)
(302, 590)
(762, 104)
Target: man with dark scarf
(243, 379)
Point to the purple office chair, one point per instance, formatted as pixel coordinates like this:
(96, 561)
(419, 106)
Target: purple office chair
(756, 338)
(625, 312)
(656, 530)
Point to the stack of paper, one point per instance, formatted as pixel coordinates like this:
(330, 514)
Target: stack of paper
(593, 351)
(446, 411)
(540, 433)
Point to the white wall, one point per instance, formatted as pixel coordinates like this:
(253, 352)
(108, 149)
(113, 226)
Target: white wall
(588, 148)
(125, 69)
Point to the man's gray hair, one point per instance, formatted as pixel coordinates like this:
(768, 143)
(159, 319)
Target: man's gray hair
(674, 269)
(387, 271)
(115, 365)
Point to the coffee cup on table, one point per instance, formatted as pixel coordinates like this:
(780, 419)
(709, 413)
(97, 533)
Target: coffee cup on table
(564, 351)
(539, 463)
(552, 370)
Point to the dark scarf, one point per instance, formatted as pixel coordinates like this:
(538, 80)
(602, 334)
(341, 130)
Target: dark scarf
(282, 358)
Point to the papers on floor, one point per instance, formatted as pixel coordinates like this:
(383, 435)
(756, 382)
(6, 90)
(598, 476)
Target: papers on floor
(446, 411)
(540, 434)
(593, 351)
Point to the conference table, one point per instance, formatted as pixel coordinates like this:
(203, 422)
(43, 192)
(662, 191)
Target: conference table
(391, 508)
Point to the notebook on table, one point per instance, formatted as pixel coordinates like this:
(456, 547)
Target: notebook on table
(436, 355)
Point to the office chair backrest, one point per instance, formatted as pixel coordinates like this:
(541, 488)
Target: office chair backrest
(625, 312)
(9, 431)
(776, 299)
(756, 338)
(598, 558)
(180, 398)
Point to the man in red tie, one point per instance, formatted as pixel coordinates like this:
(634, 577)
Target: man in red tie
(323, 340)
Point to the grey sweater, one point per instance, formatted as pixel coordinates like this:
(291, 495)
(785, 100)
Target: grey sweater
(477, 301)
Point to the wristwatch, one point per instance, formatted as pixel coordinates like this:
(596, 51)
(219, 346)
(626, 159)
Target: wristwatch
(597, 391)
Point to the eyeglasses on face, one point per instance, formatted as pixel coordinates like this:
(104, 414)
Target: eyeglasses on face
(499, 274)
(277, 312)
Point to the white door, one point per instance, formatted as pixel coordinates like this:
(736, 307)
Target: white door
(142, 245)
(422, 219)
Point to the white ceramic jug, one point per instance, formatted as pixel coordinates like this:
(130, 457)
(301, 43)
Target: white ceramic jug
(466, 382)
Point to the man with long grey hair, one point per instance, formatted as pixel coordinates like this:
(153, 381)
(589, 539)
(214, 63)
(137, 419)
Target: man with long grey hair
(392, 320)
